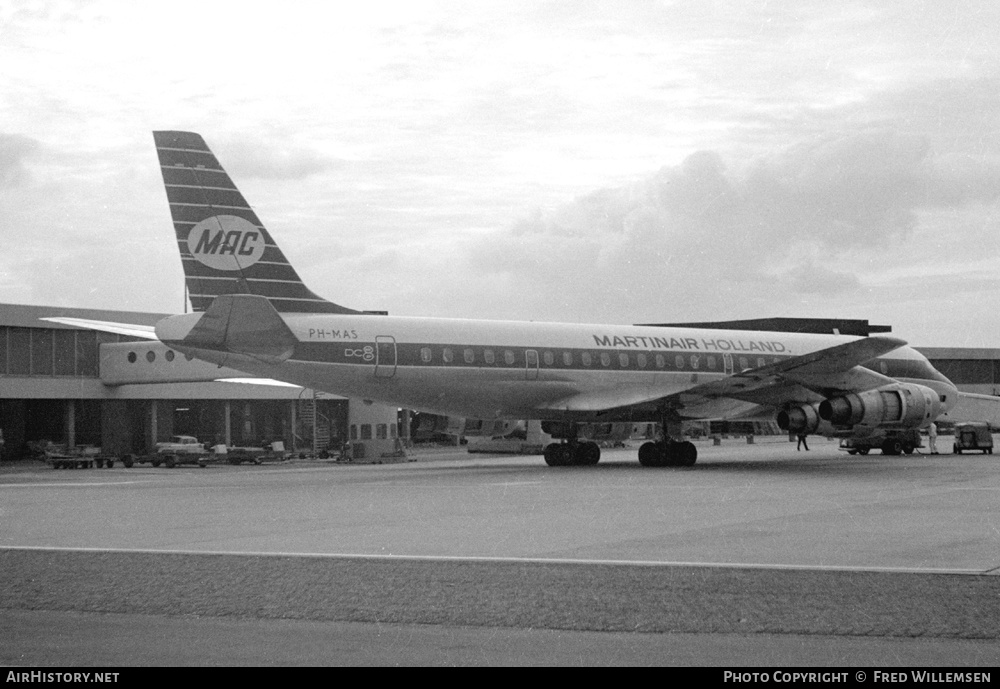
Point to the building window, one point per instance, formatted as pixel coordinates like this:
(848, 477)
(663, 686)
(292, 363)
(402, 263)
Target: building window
(381, 431)
(366, 431)
(86, 354)
(41, 352)
(20, 352)
(354, 432)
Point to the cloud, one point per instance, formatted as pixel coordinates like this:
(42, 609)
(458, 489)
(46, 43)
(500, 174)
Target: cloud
(253, 157)
(15, 149)
(800, 223)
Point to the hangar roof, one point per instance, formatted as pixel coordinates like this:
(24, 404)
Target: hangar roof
(26, 316)
(959, 353)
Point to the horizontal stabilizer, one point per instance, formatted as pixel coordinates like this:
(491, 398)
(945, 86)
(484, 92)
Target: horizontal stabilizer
(243, 324)
(143, 332)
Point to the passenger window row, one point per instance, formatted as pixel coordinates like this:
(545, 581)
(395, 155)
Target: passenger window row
(605, 359)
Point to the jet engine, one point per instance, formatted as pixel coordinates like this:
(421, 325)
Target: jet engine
(904, 405)
(804, 419)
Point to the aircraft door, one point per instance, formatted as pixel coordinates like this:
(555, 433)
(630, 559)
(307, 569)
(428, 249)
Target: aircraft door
(727, 364)
(531, 364)
(385, 356)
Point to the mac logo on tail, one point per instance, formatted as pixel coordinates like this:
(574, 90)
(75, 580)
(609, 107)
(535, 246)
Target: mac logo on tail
(226, 242)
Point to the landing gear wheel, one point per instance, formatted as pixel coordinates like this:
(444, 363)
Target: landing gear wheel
(863, 450)
(649, 454)
(687, 454)
(668, 454)
(587, 454)
(558, 454)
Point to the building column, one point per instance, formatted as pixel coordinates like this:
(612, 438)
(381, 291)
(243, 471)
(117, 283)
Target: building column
(229, 424)
(70, 424)
(153, 423)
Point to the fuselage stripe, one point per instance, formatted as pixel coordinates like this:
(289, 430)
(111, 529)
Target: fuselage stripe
(342, 349)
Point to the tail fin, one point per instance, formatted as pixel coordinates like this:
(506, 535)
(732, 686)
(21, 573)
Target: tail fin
(224, 247)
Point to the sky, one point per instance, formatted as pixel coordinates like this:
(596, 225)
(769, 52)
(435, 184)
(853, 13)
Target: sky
(576, 161)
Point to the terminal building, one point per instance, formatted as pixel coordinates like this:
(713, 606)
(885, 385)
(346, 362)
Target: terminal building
(73, 387)
(77, 387)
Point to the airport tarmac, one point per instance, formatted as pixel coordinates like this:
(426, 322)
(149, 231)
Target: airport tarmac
(816, 543)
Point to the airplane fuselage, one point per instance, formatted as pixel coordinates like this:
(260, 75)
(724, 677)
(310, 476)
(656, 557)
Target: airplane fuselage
(528, 370)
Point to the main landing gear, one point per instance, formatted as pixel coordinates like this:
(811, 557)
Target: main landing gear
(572, 453)
(668, 453)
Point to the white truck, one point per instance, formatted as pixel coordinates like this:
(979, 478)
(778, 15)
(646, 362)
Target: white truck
(180, 449)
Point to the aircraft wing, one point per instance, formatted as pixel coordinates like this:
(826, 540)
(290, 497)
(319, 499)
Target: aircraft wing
(145, 332)
(806, 378)
(825, 372)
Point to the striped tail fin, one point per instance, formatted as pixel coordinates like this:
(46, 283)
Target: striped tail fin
(224, 247)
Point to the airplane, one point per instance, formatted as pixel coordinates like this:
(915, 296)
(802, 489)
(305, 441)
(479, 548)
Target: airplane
(252, 312)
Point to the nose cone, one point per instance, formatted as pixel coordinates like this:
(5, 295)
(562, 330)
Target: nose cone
(176, 328)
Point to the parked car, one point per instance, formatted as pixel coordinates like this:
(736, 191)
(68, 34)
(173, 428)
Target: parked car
(180, 444)
(973, 435)
(180, 449)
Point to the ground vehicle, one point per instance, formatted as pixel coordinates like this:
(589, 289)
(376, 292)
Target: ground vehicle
(180, 449)
(891, 443)
(973, 435)
(83, 457)
(258, 455)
